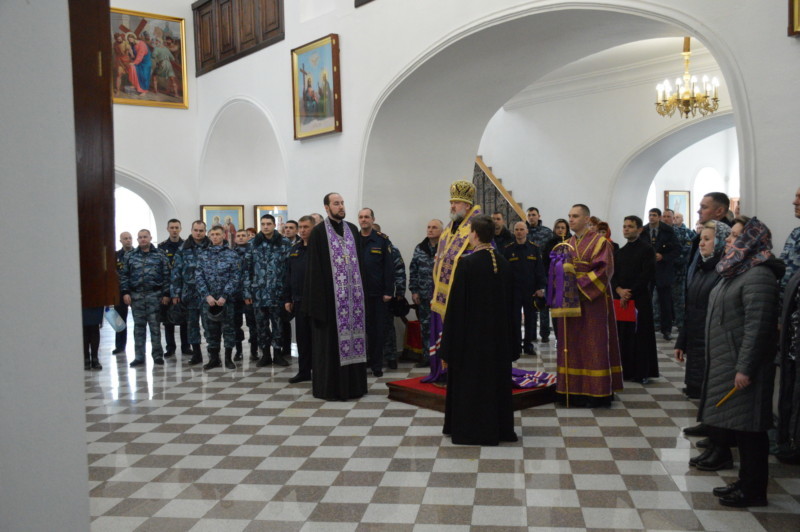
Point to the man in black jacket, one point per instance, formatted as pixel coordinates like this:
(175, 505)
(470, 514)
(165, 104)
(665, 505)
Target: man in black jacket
(662, 238)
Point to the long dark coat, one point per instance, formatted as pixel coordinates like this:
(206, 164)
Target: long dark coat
(477, 346)
(741, 331)
(667, 244)
(789, 398)
(329, 379)
(692, 337)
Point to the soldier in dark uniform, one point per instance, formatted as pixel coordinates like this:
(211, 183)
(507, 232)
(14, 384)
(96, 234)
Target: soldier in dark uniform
(529, 280)
(265, 273)
(183, 286)
(502, 235)
(121, 339)
(170, 247)
(144, 282)
(240, 247)
(219, 281)
(662, 237)
(420, 283)
(293, 297)
(399, 276)
(290, 234)
(378, 286)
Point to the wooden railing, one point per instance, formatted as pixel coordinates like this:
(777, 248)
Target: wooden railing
(492, 196)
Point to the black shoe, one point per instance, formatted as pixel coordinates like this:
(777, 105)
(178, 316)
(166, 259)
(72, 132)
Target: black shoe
(136, 363)
(667, 336)
(719, 459)
(727, 490)
(237, 357)
(737, 499)
(158, 361)
(423, 364)
(645, 381)
(705, 443)
(545, 339)
(169, 352)
(697, 430)
(228, 362)
(377, 372)
(118, 351)
(214, 361)
(280, 359)
(87, 365)
(197, 356)
(253, 351)
(186, 349)
(528, 349)
(691, 393)
(791, 457)
(265, 360)
(300, 377)
(392, 364)
(700, 457)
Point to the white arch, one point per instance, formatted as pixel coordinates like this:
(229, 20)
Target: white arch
(159, 201)
(636, 173)
(490, 50)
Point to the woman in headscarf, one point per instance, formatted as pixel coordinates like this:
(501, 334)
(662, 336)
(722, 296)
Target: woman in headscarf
(741, 327)
(604, 230)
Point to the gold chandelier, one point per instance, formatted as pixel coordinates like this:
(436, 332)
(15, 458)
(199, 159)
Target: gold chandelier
(689, 96)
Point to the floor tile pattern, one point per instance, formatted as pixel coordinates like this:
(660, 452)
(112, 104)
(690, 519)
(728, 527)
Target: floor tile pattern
(175, 448)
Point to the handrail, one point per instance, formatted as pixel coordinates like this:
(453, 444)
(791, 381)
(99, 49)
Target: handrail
(496, 182)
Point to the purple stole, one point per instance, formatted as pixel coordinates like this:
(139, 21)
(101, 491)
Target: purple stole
(348, 295)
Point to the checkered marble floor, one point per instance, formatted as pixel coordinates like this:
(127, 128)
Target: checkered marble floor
(177, 448)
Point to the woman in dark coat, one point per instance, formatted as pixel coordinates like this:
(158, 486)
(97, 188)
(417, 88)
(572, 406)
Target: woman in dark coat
(691, 344)
(789, 397)
(741, 332)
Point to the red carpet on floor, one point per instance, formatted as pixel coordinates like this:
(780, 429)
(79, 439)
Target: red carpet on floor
(417, 384)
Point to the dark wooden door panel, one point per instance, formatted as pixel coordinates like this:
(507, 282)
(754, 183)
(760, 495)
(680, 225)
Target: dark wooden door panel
(226, 28)
(248, 36)
(205, 40)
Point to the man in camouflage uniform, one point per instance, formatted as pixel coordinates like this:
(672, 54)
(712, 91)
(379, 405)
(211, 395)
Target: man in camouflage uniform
(184, 286)
(219, 280)
(265, 275)
(540, 234)
(685, 237)
(121, 339)
(421, 283)
(244, 313)
(791, 249)
(144, 281)
(170, 247)
(399, 275)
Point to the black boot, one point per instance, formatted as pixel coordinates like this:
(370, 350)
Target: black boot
(253, 351)
(702, 456)
(197, 355)
(238, 355)
(213, 359)
(95, 362)
(228, 362)
(87, 361)
(266, 358)
(720, 458)
(280, 359)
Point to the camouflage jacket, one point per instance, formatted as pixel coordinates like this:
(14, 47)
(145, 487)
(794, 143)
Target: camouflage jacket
(420, 270)
(265, 270)
(685, 237)
(791, 257)
(399, 271)
(539, 234)
(219, 273)
(184, 278)
(144, 272)
(170, 249)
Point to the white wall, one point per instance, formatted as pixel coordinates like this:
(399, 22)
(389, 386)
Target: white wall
(43, 466)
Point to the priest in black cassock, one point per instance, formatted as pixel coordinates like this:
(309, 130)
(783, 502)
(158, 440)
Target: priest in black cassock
(478, 346)
(334, 300)
(634, 275)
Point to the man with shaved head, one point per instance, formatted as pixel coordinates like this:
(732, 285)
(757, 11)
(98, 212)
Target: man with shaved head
(121, 339)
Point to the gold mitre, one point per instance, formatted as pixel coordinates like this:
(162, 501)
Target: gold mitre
(462, 191)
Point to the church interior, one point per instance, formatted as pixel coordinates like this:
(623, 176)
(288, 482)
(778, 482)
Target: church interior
(556, 98)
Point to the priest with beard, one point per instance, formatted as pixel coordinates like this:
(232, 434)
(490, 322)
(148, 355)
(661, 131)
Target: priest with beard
(333, 298)
(634, 275)
(477, 345)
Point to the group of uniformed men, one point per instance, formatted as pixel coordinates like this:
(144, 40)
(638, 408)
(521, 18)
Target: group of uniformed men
(258, 280)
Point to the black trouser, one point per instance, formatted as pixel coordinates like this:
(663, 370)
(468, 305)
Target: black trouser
(122, 337)
(753, 457)
(91, 342)
(244, 314)
(665, 307)
(169, 332)
(302, 330)
(286, 324)
(522, 299)
(376, 310)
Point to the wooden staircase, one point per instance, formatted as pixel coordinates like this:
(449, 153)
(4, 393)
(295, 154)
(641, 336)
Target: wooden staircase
(492, 196)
